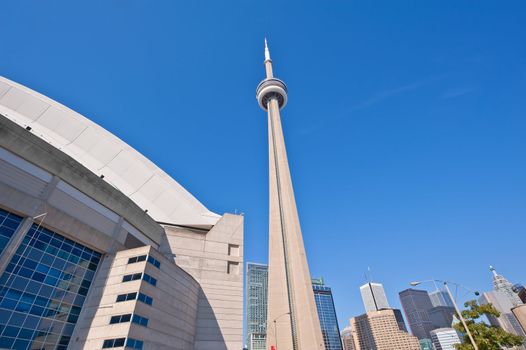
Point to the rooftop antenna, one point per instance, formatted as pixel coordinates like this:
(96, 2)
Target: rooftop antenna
(267, 52)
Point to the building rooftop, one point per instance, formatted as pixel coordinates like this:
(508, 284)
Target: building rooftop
(105, 155)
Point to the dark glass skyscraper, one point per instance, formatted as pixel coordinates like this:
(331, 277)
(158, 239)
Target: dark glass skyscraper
(327, 315)
(416, 304)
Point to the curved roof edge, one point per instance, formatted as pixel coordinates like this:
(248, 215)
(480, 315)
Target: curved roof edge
(105, 155)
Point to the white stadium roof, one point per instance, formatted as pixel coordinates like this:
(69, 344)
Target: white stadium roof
(104, 154)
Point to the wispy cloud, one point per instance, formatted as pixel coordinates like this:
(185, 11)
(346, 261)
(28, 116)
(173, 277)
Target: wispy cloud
(371, 101)
(383, 95)
(457, 92)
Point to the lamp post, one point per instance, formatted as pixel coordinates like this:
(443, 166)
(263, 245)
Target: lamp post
(275, 329)
(414, 284)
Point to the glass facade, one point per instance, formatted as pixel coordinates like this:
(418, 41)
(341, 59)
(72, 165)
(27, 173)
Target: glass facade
(8, 224)
(43, 289)
(327, 315)
(256, 303)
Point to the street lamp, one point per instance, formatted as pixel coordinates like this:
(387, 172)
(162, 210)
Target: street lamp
(275, 330)
(414, 284)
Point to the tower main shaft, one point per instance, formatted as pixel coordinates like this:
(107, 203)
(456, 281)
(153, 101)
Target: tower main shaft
(292, 318)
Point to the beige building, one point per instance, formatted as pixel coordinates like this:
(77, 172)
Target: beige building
(292, 317)
(99, 248)
(347, 339)
(520, 314)
(379, 330)
(502, 303)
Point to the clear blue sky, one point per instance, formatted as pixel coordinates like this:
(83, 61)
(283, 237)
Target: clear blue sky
(405, 125)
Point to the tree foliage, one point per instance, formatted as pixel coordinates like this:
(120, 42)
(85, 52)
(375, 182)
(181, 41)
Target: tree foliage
(487, 337)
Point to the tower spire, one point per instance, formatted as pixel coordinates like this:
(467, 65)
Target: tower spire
(267, 51)
(501, 284)
(268, 61)
(492, 269)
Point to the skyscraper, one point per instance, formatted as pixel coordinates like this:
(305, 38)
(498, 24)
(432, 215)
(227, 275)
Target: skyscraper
(379, 330)
(501, 284)
(292, 316)
(426, 344)
(399, 319)
(440, 298)
(501, 302)
(441, 316)
(373, 296)
(521, 291)
(520, 314)
(347, 338)
(416, 304)
(327, 315)
(445, 338)
(256, 305)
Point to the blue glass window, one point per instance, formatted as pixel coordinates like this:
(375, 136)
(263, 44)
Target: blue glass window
(134, 344)
(154, 261)
(136, 259)
(143, 321)
(132, 277)
(126, 297)
(42, 293)
(120, 319)
(113, 343)
(150, 279)
(145, 299)
(8, 224)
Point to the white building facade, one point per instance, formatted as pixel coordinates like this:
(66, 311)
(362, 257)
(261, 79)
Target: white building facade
(444, 338)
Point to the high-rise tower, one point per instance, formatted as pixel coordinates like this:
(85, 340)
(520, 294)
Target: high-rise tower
(327, 315)
(373, 296)
(292, 318)
(501, 284)
(256, 303)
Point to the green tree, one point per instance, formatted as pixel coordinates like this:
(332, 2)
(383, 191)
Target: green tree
(486, 337)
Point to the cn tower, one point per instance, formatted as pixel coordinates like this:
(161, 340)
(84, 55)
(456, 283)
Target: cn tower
(292, 318)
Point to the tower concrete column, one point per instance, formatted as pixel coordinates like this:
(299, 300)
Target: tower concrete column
(292, 318)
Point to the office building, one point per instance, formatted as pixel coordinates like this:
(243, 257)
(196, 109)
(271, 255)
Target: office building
(501, 284)
(441, 316)
(426, 344)
(379, 330)
(445, 338)
(416, 304)
(257, 341)
(399, 319)
(521, 291)
(99, 247)
(373, 296)
(501, 302)
(347, 339)
(291, 307)
(520, 314)
(440, 298)
(256, 305)
(327, 315)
